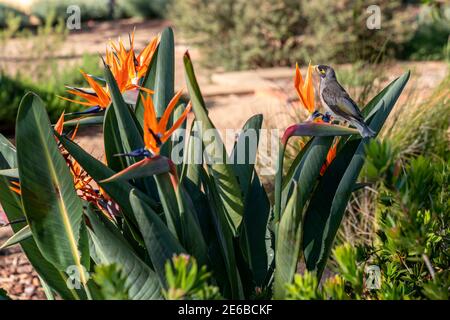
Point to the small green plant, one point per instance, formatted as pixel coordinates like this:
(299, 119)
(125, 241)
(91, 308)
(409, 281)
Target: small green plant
(111, 282)
(185, 280)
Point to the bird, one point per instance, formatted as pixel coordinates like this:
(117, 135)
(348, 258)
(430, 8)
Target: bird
(338, 103)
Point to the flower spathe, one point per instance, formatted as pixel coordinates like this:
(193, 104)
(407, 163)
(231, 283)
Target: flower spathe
(305, 88)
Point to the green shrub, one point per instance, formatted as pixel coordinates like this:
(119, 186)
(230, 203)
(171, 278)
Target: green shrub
(234, 35)
(144, 8)
(12, 88)
(90, 10)
(431, 39)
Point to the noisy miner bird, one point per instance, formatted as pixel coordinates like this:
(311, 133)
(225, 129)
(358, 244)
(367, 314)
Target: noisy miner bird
(338, 103)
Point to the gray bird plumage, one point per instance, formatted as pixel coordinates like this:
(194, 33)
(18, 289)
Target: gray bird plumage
(337, 101)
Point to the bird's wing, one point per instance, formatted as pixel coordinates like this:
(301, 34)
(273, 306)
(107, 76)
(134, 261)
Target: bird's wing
(340, 102)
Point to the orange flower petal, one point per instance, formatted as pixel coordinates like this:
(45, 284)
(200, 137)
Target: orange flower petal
(166, 115)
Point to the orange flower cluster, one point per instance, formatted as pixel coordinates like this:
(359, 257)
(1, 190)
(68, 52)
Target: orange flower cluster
(127, 68)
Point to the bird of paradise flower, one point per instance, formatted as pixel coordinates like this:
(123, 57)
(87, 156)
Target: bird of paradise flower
(128, 70)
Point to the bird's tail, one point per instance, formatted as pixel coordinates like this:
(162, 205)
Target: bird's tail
(364, 129)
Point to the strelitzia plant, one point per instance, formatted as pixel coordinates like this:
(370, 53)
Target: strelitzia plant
(216, 212)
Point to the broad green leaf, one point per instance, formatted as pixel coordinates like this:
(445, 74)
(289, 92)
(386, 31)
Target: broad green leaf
(288, 244)
(7, 153)
(165, 78)
(141, 282)
(317, 129)
(287, 179)
(17, 237)
(51, 205)
(160, 242)
(327, 206)
(223, 174)
(129, 132)
(12, 206)
(191, 234)
(47, 290)
(289, 232)
(312, 158)
(87, 121)
(256, 204)
(165, 72)
(244, 152)
(112, 142)
(169, 203)
(254, 231)
(225, 240)
(178, 137)
(56, 279)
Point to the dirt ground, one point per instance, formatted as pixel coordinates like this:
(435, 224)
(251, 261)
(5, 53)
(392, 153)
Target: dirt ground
(231, 97)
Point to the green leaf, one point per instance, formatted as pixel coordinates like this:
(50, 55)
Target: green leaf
(8, 155)
(309, 167)
(225, 239)
(87, 121)
(12, 206)
(50, 202)
(141, 282)
(160, 242)
(129, 132)
(169, 203)
(327, 206)
(147, 167)
(17, 237)
(243, 155)
(289, 232)
(254, 230)
(165, 78)
(191, 234)
(165, 72)
(288, 244)
(223, 174)
(256, 204)
(112, 142)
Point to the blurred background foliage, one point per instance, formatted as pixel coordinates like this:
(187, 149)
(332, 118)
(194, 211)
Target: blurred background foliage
(236, 36)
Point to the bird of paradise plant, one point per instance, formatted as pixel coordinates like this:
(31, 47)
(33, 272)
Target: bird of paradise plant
(128, 70)
(216, 212)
